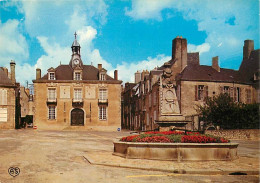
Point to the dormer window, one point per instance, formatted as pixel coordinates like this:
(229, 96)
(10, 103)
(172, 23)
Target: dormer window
(102, 74)
(51, 76)
(102, 77)
(77, 76)
(51, 73)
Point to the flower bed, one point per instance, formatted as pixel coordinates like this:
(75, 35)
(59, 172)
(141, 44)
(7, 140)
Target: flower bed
(174, 137)
(176, 145)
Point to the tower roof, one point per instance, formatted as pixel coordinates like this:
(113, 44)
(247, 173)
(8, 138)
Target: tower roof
(75, 42)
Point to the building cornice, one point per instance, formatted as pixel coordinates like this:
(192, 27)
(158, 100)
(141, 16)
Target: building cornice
(214, 81)
(79, 81)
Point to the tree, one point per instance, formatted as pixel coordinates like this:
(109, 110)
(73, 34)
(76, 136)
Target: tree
(222, 111)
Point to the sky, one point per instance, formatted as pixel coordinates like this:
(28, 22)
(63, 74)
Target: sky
(126, 35)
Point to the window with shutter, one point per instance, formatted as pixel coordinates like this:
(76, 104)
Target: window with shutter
(200, 92)
(206, 93)
(227, 90)
(51, 76)
(3, 97)
(52, 94)
(77, 94)
(102, 94)
(102, 112)
(196, 92)
(52, 112)
(238, 94)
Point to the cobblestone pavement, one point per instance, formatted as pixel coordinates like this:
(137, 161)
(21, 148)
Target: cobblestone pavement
(52, 156)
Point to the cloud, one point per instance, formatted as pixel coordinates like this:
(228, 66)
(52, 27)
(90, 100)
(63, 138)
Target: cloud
(126, 71)
(205, 47)
(13, 44)
(59, 19)
(226, 23)
(51, 22)
(142, 9)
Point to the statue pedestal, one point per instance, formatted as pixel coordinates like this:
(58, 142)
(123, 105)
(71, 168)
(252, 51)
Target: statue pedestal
(173, 121)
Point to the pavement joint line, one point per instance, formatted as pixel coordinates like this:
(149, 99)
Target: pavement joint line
(176, 171)
(158, 175)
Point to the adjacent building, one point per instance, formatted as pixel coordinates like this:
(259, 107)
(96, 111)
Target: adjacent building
(168, 95)
(77, 96)
(7, 98)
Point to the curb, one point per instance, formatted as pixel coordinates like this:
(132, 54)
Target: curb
(177, 171)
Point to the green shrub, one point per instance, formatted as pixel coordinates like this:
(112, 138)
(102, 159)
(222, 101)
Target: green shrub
(224, 112)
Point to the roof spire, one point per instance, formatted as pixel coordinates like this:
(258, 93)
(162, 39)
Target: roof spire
(75, 34)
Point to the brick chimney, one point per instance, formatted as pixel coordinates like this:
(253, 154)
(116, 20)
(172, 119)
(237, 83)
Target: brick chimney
(179, 53)
(12, 68)
(144, 73)
(38, 73)
(137, 77)
(99, 66)
(215, 63)
(248, 47)
(116, 75)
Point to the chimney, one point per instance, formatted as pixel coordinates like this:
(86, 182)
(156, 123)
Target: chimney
(38, 73)
(12, 67)
(193, 58)
(248, 47)
(137, 77)
(99, 66)
(116, 75)
(144, 73)
(215, 63)
(179, 53)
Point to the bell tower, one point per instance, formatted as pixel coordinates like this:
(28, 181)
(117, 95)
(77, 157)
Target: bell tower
(75, 60)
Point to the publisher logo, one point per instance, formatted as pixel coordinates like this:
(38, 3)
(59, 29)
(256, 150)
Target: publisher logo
(14, 171)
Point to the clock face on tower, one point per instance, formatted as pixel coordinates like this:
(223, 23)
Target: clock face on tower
(76, 61)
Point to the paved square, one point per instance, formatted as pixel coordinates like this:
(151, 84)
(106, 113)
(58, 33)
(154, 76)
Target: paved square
(52, 156)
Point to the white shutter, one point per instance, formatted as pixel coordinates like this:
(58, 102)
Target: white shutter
(4, 97)
(3, 114)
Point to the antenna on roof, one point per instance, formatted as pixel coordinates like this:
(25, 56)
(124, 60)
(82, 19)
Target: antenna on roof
(60, 62)
(92, 63)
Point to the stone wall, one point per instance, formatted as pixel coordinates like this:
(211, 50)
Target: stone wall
(9, 122)
(176, 151)
(246, 134)
(188, 102)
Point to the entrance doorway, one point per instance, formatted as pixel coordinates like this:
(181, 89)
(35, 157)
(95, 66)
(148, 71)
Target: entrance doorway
(77, 117)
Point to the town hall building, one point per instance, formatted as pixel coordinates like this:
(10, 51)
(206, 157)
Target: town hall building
(77, 96)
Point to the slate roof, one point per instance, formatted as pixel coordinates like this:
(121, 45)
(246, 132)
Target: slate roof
(65, 72)
(75, 43)
(245, 74)
(194, 72)
(4, 80)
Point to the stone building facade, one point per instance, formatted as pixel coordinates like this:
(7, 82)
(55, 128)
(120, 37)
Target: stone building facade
(24, 101)
(189, 83)
(7, 98)
(77, 96)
